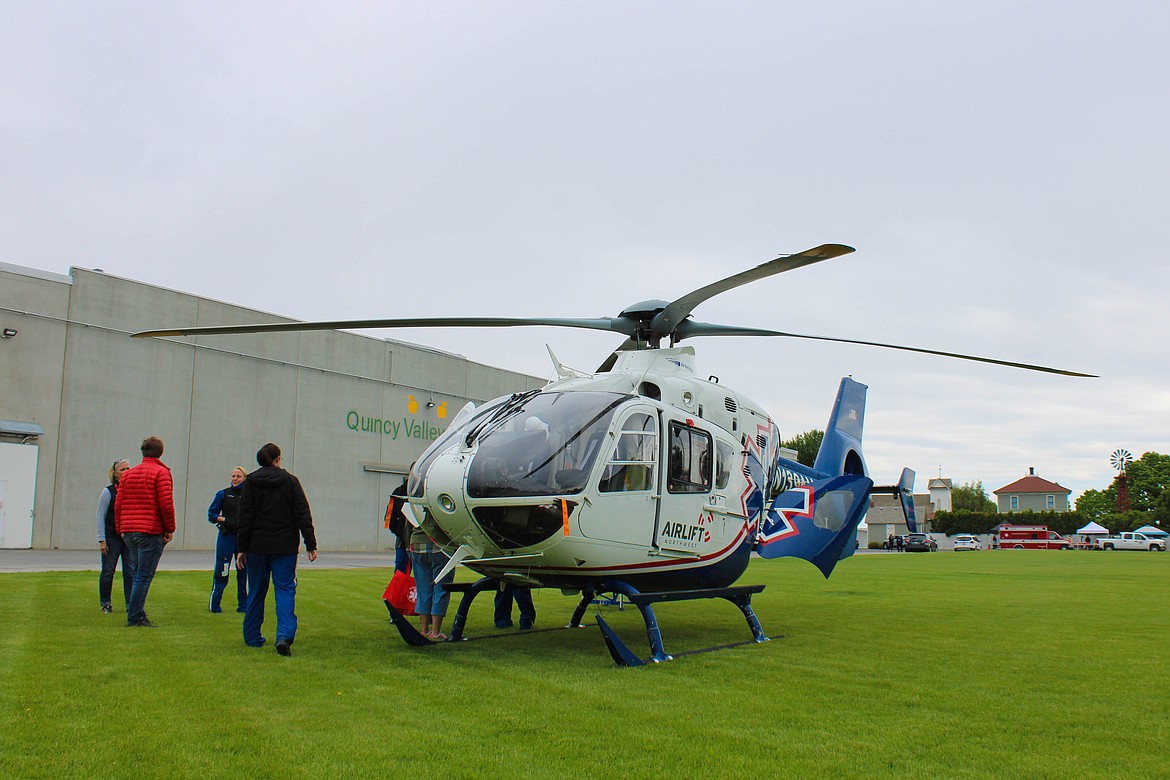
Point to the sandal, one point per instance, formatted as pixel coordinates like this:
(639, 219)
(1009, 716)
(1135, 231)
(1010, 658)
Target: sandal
(438, 637)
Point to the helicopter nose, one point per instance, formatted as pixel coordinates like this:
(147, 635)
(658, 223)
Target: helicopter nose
(445, 498)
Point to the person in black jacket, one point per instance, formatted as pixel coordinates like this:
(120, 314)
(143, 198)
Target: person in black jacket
(274, 515)
(222, 514)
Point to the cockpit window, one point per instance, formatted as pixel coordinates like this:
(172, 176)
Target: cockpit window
(631, 464)
(544, 446)
(441, 444)
(690, 460)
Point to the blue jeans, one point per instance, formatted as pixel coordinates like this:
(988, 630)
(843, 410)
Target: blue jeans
(225, 554)
(432, 597)
(117, 549)
(283, 571)
(145, 552)
(523, 596)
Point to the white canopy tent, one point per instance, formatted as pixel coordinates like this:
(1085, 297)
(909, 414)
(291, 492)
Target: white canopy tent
(1093, 528)
(1151, 530)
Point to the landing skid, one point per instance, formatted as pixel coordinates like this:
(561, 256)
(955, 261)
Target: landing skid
(411, 635)
(622, 655)
(740, 596)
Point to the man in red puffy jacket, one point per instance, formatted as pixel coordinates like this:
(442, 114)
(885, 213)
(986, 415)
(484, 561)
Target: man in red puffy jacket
(144, 514)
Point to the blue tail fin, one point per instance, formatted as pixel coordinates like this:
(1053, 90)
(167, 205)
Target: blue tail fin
(816, 519)
(840, 451)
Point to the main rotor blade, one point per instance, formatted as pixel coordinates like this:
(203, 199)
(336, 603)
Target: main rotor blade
(692, 328)
(665, 322)
(615, 324)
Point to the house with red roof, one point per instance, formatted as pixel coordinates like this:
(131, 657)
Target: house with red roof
(1032, 493)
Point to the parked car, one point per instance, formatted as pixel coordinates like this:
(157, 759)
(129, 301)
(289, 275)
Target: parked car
(967, 542)
(1131, 540)
(919, 543)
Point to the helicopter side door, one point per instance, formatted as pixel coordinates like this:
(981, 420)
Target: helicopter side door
(686, 520)
(625, 506)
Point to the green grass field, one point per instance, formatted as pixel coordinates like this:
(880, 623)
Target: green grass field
(949, 665)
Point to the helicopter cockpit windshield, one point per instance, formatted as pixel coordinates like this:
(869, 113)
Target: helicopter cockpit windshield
(461, 425)
(542, 447)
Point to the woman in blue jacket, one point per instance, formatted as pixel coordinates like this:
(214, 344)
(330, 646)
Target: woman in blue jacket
(224, 515)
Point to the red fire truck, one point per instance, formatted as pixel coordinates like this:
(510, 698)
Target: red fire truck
(1031, 537)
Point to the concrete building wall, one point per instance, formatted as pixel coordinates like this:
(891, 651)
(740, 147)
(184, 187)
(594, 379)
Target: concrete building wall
(350, 412)
(36, 305)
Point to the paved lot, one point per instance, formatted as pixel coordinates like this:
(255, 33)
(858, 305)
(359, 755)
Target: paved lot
(176, 560)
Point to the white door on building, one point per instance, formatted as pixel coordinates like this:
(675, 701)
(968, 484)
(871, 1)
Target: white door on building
(18, 481)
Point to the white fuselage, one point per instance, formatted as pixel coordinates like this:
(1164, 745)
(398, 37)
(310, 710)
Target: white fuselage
(643, 473)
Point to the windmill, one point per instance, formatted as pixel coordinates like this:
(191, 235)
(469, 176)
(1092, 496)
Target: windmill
(1120, 459)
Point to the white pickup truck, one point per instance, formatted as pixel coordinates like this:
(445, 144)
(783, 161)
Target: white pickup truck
(1131, 540)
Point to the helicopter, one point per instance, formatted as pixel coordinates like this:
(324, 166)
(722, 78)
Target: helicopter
(641, 479)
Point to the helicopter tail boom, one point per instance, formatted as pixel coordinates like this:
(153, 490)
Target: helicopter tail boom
(817, 514)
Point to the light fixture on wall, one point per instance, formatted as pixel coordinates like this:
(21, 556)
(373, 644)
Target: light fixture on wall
(430, 404)
(8, 333)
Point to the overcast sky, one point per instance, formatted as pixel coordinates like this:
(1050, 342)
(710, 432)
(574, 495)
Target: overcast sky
(1001, 167)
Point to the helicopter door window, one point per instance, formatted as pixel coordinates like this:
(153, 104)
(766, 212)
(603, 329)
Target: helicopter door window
(690, 460)
(631, 465)
(723, 458)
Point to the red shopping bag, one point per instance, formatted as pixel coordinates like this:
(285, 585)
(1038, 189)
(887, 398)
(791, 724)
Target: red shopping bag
(401, 593)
